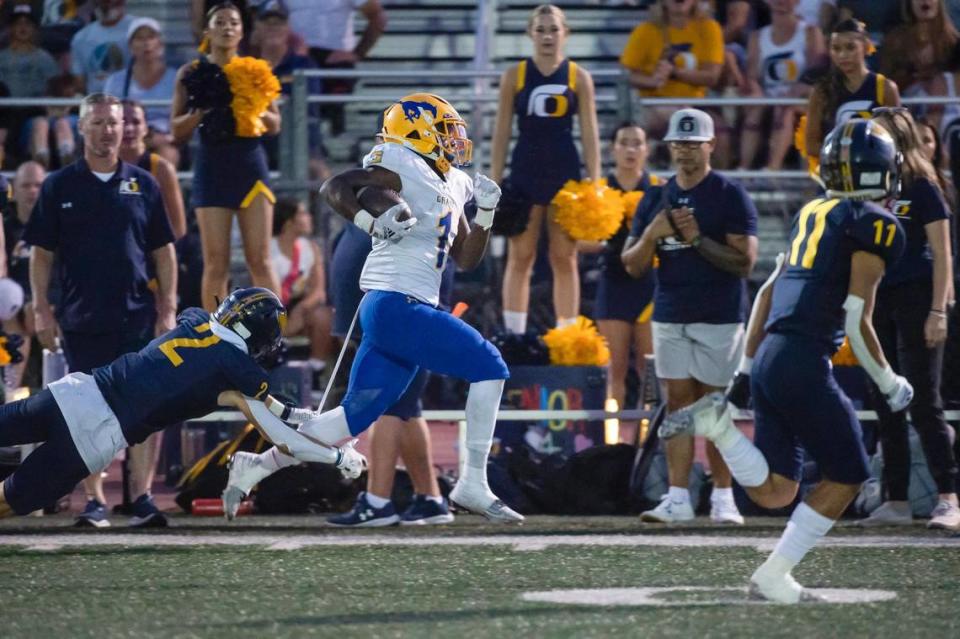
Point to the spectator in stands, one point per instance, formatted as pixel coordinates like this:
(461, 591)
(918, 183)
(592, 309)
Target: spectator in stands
(848, 89)
(327, 28)
(778, 55)
(910, 318)
(100, 48)
(26, 190)
(61, 21)
(822, 13)
(298, 265)
(916, 53)
(62, 120)
(272, 41)
(933, 150)
(401, 432)
(230, 172)
(702, 227)
(105, 221)
(678, 53)
(147, 77)
(624, 305)
(25, 69)
(545, 91)
(133, 150)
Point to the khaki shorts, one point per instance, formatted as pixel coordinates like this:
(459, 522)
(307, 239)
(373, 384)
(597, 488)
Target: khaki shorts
(708, 353)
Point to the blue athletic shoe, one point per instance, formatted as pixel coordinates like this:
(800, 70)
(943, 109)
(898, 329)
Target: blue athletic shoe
(364, 515)
(426, 512)
(146, 514)
(93, 516)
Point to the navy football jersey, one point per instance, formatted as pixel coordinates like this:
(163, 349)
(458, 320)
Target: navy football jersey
(176, 377)
(808, 296)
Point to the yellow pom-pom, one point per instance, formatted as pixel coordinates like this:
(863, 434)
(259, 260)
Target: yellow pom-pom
(844, 355)
(4, 353)
(577, 344)
(254, 87)
(631, 199)
(800, 135)
(587, 210)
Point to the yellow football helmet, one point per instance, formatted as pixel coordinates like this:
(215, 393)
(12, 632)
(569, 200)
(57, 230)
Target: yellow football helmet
(429, 125)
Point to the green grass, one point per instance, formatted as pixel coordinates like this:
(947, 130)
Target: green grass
(451, 591)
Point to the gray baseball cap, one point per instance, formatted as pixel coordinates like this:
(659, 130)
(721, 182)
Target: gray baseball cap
(690, 125)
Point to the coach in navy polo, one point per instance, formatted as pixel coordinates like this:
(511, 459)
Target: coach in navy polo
(702, 228)
(104, 220)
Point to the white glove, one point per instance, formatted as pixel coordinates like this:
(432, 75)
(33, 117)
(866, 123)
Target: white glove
(387, 226)
(486, 192)
(350, 461)
(900, 395)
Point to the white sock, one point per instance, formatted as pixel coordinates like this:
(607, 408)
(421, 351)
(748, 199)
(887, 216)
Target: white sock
(515, 322)
(805, 528)
(483, 403)
(437, 499)
(722, 494)
(679, 495)
(565, 321)
(376, 501)
(747, 464)
(330, 427)
(273, 460)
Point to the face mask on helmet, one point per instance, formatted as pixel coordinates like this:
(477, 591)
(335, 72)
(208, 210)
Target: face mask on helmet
(258, 317)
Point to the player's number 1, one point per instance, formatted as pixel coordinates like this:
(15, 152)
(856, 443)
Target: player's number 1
(818, 210)
(443, 225)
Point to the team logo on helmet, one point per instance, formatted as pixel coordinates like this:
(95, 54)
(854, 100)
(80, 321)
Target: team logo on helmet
(413, 110)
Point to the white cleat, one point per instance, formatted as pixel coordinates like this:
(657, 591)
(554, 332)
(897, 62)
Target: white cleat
(767, 585)
(724, 511)
(478, 498)
(245, 473)
(706, 417)
(668, 512)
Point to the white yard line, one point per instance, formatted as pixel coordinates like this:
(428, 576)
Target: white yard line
(673, 596)
(526, 543)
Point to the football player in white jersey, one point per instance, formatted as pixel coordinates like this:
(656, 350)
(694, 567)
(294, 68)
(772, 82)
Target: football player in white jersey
(424, 142)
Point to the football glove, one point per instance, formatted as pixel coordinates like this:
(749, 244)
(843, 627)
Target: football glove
(350, 461)
(738, 392)
(900, 395)
(486, 192)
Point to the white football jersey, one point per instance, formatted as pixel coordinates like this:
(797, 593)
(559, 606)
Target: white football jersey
(413, 265)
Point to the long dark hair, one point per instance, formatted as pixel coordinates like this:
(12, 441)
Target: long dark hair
(832, 85)
(938, 161)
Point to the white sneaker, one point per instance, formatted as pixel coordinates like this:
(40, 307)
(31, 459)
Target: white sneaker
(945, 516)
(478, 498)
(778, 587)
(245, 473)
(668, 512)
(889, 513)
(724, 511)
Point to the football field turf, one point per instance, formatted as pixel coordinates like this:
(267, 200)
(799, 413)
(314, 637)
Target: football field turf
(291, 577)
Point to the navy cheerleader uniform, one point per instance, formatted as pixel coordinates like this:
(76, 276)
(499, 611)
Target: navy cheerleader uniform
(620, 296)
(544, 156)
(229, 171)
(856, 104)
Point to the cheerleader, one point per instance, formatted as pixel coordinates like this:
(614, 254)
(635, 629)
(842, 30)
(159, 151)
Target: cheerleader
(230, 169)
(545, 92)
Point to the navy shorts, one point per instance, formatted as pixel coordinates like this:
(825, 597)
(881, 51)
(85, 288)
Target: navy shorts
(231, 174)
(628, 300)
(52, 470)
(797, 404)
(86, 351)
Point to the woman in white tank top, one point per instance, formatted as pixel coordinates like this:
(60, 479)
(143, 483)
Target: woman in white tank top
(777, 56)
(298, 266)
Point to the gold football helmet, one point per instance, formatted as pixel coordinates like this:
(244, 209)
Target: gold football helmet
(429, 125)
